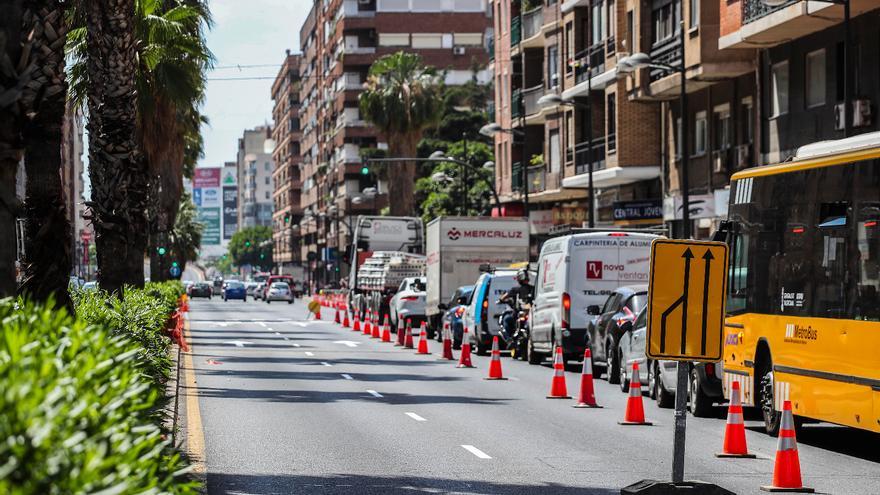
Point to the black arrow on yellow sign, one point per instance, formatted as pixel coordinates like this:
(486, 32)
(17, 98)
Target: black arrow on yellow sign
(681, 301)
(708, 258)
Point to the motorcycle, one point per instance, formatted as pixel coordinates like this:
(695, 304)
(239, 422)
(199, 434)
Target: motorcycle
(518, 342)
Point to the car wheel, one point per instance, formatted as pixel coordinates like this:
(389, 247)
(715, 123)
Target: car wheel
(482, 349)
(612, 371)
(772, 417)
(290, 301)
(533, 357)
(268, 301)
(624, 381)
(700, 403)
(665, 398)
(653, 378)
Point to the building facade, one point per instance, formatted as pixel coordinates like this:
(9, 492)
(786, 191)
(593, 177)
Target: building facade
(287, 178)
(340, 39)
(255, 167)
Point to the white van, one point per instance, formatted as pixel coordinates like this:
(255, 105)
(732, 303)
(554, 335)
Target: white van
(577, 271)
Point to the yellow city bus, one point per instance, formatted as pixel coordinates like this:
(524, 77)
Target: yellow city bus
(803, 304)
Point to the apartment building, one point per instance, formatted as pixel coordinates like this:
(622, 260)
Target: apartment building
(287, 178)
(255, 166)
(340, 39)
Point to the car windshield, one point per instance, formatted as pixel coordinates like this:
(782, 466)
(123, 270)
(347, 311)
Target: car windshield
(280, 285)
(234, 285)
(418, 285)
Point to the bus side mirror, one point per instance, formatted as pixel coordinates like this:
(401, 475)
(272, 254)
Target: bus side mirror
(593, 310)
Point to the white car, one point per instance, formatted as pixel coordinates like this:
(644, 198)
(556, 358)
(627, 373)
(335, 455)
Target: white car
(659, 376)
(251, 287)
(408, 303)
(279, 291)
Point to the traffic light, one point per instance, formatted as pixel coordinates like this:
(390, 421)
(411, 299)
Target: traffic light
(262, 256)
(174, 264)
(247, 243)
(286, 219)
(365, 169)
(161, 250)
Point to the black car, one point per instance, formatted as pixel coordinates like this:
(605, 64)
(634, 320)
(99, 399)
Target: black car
(201, 289)
(603, 333)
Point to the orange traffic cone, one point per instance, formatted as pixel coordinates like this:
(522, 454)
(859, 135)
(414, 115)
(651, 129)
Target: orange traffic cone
(735, 431)
(318, 313)
(386, 331)
(401, 331)
(345, 321)
(357, 322)
(447, 343)
(367, 320)
(423, 341)
(587, 396)
(464, 360)
(377, 331)
(787, 469)
(558, 389)
(495, 364)
(337, 319)
(635, 409)
(408, 338)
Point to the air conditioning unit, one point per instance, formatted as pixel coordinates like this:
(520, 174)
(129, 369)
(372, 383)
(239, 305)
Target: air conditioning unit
(719, 161)
(861, 114)
(458, 50)
(744, 156)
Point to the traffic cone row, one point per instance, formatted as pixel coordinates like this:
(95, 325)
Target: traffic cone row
(587, 396)
(464, 360)
(635, 408)
(386, 331)
(401, 331)
(495, 363)
(367, 322)
(356, 327)
(336, 318)
(377, 332)
(408, 338)
(558, 389)
(447, 342)
(346, 323)
(423, 341)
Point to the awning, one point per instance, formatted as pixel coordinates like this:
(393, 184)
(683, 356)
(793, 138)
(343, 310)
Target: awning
(610, 177)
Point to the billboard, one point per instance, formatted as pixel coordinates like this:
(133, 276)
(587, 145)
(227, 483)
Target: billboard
(210, 218)
(208, 201)
(206, 177)
(230, 211)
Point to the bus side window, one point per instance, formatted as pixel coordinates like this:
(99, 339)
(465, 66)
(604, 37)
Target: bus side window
(739, 268)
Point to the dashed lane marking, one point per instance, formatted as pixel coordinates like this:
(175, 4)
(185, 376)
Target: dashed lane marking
(375, 394)
(477, 452)
(325, 363)
(295, 345)
(261, 324)
(310, 353)
(347, 377)
(415, 416)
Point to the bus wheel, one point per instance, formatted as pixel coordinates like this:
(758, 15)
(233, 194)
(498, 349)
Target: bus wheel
(772, 417)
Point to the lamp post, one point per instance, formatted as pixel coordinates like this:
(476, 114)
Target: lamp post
(490, 130)
(551, 100)
(847, 49)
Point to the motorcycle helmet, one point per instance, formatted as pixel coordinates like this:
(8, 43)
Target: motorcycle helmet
(522, 276)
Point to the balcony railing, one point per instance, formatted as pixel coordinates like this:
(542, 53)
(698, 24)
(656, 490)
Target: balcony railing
(530, 99)
(592, 62)
(537, 177)
(668, 53)
(532, 22)
(516, 106)
(753, 10)
(516, 176)
(515, 31)
(578, 153)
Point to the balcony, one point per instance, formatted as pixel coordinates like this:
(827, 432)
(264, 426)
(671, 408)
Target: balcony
(350, 117)
(516, 176)
(532, 35)
(537, 179)
(590, 72)
(352, 47)
(352, 8)
(530, 98)
(516, 104)
(753, 10)
(578, 154)
(669, 53)
(515, 31)
(349, 81)
(347, 153)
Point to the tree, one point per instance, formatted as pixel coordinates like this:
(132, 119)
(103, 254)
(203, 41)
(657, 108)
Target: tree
(186, 236)
(402, 99)
(15, 74)
(48, 257)
(438, 199)
(252, 246)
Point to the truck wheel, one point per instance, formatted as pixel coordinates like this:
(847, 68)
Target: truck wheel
(532, 356)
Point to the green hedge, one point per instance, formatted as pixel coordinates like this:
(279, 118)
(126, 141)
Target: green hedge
(77, 412)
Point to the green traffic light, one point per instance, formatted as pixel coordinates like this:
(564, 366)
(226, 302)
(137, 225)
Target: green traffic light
(174, 264)
(262, 256)
(247, 243)
(161, 251)
(365, 170)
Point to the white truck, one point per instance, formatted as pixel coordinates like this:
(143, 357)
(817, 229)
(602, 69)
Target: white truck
(386, 235)
(458, 246)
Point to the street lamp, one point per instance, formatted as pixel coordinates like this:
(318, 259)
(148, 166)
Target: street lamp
(847, 49)
(493, 128)
(630, 64)
(552, 100)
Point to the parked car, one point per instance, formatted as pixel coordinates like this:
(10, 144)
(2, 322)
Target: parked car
(705, 388)
(259, 291)
(659, 376)
(251, 287)
(201, 289)
(218, 283)
(453, 312)
(481, 315)
(577, 271)
(408, 303)
(604, 332)
(277, 278)
(279, 291)
(233, 289)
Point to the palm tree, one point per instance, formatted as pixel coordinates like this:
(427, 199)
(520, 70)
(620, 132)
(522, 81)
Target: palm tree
(402, 99)
(47, 261)
(186, 236)
(15, 74)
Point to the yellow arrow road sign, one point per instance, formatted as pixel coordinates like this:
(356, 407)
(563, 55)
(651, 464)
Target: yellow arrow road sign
(686, 297)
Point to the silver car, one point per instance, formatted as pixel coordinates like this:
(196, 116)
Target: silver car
(279, 291)
(408, 303)
(659, 376)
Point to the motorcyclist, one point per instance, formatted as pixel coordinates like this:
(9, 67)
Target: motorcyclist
(522, 293)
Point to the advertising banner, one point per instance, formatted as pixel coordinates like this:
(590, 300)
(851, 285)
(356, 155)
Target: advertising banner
(210, 218)
(230, 211)
(206, 177)
(211, 197)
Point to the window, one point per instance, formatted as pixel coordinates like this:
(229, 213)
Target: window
(630, 32)
(694, 13)
(599, 20)
(553, 66)
(610, 26)
(664, 17)
(468, 39)
(814, 66)
(393, 39)
(569, 46)
(267, 181)
(700, 133)
(554, 151)
(722, 128)
(267, 194)
(779, 89)
(611, 132)
(678, 136)
(267, 166)
(746, 120)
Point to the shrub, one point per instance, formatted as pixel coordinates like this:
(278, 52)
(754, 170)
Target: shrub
(76, 409)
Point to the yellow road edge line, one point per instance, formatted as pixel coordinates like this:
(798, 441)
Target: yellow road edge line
(195, 435)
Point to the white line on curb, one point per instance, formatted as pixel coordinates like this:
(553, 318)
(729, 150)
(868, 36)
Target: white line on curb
(325, 363)
(477, 452)
(347, 377)
(374, 393)
(309, 353)
(415, 416)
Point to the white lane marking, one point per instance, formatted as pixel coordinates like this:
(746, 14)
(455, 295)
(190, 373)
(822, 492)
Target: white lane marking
(477, 452)
(415, 416)
(347, 377)
(238, 343)
(309, 353)
(286, 338)
(277, 333)
(295, 345)
(272, 330)
(347, 343)
(374, 393)
(513, 378)
(325, 363)
(261, 324)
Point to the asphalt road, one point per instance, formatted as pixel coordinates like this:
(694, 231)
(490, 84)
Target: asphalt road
(291, 406)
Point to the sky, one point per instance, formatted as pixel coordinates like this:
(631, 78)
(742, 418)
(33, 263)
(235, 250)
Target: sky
(246, 32)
